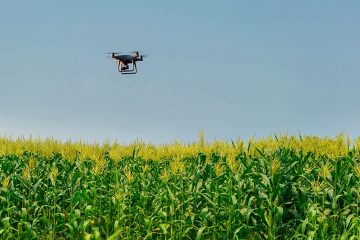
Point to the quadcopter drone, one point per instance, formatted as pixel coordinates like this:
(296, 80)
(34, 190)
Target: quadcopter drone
(124, 60)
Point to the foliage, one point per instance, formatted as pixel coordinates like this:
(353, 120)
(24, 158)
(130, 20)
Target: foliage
(281, 187)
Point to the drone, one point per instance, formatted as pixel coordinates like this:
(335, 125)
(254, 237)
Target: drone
(124, 60)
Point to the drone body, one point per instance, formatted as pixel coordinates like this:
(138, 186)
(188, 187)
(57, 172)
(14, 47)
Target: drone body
(124, 60)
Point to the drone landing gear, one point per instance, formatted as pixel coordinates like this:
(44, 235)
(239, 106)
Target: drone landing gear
(124, 68)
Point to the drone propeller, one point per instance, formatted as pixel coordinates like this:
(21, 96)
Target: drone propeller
(111, 54)
(138, 54)
(135, 53)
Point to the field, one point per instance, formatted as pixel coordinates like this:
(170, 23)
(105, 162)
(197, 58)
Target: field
(279, 187)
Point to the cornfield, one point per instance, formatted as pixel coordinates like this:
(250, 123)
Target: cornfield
(279, 187)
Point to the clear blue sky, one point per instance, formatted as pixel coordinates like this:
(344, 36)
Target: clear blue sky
(231, 68)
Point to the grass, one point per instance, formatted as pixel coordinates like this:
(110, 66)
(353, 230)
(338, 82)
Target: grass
(275, 188)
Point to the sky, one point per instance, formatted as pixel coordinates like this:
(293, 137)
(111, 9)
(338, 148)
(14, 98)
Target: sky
(234, 69)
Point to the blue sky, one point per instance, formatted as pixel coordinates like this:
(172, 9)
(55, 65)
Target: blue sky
(232, 68)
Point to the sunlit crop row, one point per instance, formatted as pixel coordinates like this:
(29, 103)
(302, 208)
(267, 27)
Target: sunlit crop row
(320, 146)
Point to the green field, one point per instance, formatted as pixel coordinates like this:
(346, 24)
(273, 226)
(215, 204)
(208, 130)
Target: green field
(273, 188)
